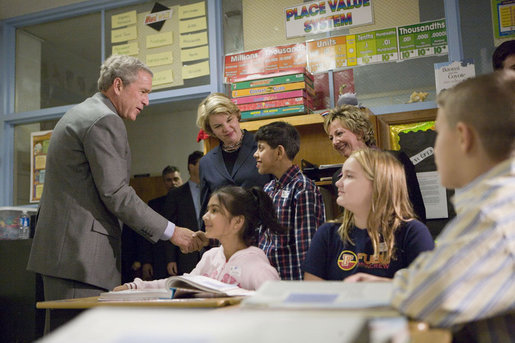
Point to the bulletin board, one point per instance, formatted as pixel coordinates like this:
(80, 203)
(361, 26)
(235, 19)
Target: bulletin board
(171, 39)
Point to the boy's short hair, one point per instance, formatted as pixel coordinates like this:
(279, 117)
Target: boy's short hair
(280, 133)
(501, 53)
(486, 103)
(195, 156)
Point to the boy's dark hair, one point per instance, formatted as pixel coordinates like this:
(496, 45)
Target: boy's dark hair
(502, 52)
(254, 205)
(280, 133)
(195, 156)
(169, 169)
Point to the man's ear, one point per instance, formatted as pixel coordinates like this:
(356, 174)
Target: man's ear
(467, 136)
(117, 85)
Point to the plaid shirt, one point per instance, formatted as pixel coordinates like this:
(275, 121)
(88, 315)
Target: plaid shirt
(299, 206)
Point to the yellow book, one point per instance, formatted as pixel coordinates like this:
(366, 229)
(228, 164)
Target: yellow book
(273, 89)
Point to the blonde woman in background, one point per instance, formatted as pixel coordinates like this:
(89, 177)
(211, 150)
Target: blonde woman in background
(349, 129)
(379, 234)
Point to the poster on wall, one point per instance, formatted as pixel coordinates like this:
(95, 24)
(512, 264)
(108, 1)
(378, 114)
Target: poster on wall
(379, 46)
(39, 142)
(449, 74)
(423, 39)
(324, 16)
(337, 52)
(503, 18)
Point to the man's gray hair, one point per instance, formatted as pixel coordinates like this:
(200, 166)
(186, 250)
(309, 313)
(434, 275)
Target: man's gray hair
(122, 66)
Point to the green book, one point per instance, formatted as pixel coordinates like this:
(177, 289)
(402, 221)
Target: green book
(273, 112)
(272, 81)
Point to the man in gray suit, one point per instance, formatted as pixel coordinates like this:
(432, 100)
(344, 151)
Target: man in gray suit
(87, 195)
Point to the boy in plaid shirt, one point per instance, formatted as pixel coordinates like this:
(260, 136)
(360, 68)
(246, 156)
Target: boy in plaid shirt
(296, 198)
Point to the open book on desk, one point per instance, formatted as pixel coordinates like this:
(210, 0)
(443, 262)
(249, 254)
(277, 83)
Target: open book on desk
(321, 295)
(182, 286)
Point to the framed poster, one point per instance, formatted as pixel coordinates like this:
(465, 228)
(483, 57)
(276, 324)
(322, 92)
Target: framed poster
(503, 18)
(39, 142)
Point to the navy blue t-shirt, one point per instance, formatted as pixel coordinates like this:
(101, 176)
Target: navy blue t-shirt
(330, 259)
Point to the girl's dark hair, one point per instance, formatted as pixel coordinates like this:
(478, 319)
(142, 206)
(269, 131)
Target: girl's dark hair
(254, 205)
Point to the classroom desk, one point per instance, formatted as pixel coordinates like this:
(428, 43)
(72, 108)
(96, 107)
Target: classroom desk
(90, 302)
(230, 309)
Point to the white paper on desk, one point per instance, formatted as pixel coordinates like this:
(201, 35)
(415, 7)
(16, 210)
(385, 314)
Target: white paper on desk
(321, 295)
(136, 295)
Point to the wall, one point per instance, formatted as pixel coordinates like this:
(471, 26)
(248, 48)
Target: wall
(164, 135)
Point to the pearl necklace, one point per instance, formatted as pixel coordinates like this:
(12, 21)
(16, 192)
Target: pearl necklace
(235, 146)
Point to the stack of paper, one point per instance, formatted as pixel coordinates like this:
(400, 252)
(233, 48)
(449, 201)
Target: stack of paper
(321, 295)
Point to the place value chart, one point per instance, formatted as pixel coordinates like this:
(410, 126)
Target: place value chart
(422, 40)
(379, 46)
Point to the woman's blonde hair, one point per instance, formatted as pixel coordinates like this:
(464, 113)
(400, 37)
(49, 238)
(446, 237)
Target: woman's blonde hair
(215, 103)
(354, 118)
(390, 201)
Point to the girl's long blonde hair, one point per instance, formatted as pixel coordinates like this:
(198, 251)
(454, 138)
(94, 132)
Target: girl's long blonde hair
(390, 201)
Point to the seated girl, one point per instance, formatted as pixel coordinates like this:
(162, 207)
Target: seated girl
(378, 234)
(233, 217)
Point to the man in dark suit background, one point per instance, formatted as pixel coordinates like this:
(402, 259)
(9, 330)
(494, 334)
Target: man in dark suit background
(139, 256)
(183, 208)
(76, 246)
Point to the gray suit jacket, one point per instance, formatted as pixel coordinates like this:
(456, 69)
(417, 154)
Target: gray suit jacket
(86, 195)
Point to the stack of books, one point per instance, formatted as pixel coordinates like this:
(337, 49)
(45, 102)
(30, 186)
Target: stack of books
(279, 94)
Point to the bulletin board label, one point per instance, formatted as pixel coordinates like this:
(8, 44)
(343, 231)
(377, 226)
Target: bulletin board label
(421, 40)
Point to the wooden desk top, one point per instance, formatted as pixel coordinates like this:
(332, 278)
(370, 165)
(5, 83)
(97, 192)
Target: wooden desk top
(419, 332)
(85, 303)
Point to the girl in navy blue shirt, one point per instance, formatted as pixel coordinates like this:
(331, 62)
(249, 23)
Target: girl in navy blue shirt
(378, 234)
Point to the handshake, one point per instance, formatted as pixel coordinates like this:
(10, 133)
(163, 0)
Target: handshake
(189, 241)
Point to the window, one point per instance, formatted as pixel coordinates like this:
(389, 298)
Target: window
(57, 63)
